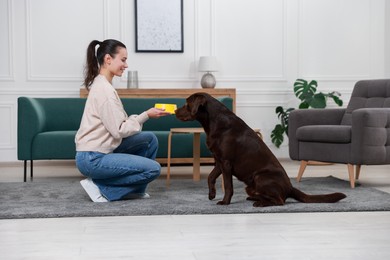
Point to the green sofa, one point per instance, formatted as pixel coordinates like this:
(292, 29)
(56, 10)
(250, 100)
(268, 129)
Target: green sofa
(47, 127)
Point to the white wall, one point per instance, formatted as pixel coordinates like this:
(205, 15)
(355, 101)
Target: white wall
(387, 39)
(262, 47)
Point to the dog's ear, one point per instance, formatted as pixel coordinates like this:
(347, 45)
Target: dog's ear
(198, 101)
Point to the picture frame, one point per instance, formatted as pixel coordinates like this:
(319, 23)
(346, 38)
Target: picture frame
(159, 26)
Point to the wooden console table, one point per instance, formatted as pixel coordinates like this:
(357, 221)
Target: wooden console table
(174, 92)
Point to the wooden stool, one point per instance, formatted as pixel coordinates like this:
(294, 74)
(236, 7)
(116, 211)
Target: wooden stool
(195, 153)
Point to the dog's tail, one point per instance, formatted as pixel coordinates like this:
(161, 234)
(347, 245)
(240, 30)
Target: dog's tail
(323, 198)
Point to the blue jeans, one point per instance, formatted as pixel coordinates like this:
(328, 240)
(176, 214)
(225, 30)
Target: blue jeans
(127, 170)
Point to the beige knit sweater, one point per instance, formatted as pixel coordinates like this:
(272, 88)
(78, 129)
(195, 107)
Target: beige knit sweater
(105, 122)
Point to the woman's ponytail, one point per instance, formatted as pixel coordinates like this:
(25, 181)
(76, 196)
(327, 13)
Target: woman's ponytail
(91, 69)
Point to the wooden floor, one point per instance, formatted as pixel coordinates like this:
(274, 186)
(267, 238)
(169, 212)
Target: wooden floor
(364, 235)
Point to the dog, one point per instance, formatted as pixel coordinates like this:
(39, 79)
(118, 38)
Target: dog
(238, 151)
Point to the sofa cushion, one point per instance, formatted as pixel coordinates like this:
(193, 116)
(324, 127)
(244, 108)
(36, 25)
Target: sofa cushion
(324, 133)
(54, 145)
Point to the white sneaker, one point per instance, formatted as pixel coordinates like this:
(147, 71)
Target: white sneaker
(92, 190)
(133, 196)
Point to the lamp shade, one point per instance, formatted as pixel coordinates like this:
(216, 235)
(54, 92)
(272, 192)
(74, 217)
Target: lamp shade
(208, 63)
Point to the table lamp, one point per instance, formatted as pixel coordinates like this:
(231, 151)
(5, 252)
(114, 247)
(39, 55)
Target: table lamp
(208, 64)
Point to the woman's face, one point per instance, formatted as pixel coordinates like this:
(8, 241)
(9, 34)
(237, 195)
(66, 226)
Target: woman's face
(118, 64)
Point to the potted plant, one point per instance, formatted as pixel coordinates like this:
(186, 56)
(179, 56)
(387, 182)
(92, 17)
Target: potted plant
(306, 92)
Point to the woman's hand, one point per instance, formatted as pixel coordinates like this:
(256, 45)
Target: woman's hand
(156, 112)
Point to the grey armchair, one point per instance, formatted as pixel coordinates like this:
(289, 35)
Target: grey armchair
(358, 135)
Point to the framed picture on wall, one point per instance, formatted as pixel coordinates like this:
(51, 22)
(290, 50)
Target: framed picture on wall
(159, 26)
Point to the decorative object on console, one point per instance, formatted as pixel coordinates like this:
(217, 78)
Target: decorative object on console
(208, 64)
(132, 79)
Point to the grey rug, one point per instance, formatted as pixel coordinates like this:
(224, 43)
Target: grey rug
(183, 196)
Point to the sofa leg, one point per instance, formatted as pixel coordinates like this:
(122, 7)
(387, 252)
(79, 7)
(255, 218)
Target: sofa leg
(301, 170)
(25, 170)
(358, 167)
(31, 170)
(351, 175)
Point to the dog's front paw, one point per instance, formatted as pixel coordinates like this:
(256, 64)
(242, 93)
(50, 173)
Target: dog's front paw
(212, 195)
(223, 203)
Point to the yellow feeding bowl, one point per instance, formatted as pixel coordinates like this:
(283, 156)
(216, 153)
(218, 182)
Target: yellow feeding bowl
(168, 107)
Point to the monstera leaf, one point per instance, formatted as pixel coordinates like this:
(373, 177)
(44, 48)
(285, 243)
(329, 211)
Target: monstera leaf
(317, 101)
(277, 135)
(304, 90)
(336, 97)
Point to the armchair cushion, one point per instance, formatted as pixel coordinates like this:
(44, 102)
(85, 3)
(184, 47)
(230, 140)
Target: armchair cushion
(324, 133)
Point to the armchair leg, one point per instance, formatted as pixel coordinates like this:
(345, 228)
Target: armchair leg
(301, 170)
(358, 167)
(351, 175)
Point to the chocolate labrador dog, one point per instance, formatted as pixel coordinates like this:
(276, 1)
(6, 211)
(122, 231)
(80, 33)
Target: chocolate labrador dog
(238, 151)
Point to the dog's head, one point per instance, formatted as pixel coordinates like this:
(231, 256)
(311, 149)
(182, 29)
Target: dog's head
(194, 105)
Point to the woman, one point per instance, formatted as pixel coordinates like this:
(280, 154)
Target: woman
(112, 152)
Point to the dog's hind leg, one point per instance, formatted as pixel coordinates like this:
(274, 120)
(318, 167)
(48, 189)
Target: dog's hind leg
(213, 176)
(264, 196)
(251, 192)
(266, 202)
